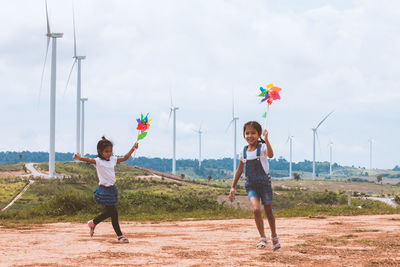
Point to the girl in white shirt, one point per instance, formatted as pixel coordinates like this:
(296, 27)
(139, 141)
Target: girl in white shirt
(106, 193)
(258, 180)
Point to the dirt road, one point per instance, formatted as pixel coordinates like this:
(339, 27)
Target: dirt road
(332, 241)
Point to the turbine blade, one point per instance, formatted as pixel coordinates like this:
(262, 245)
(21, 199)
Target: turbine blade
(170, 112)
(44, 66)
(69, 76)
(229, 125)
(170, 95)
(233, 105)
(324, 119)
(47, 18)
(73, 22)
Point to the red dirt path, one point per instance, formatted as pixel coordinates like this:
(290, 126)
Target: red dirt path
(333, 241)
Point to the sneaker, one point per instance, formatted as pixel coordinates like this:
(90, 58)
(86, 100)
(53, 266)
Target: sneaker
(91, 227)
(122, 239)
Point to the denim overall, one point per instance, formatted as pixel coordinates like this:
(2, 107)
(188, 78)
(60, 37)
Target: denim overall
(258, 183)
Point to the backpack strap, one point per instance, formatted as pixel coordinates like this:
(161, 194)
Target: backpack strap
(259, 151)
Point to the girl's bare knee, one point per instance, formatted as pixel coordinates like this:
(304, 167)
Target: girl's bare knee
(257, 210)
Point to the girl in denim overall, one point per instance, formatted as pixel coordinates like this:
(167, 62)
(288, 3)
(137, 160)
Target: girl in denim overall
(258, 181)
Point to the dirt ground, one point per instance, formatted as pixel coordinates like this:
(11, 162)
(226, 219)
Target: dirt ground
(332, 241)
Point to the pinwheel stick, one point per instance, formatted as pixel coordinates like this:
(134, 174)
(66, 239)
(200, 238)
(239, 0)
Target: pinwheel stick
(266, 117)
(137, 139)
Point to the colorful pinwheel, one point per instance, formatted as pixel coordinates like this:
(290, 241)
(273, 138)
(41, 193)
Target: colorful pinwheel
(269, 94)
(143, 126)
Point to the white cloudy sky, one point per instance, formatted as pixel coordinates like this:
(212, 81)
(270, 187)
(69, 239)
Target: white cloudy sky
(326, 55)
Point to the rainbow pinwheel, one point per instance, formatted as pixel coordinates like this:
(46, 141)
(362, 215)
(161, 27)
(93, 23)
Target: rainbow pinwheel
(143, 126)
(269, 94)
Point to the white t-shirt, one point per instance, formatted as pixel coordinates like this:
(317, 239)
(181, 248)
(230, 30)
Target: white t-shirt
(105, 170)
(253, 155)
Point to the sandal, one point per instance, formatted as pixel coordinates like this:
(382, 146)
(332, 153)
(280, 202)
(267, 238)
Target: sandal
(262, 243)
(91, 227)
(123, 239)
(275, 243)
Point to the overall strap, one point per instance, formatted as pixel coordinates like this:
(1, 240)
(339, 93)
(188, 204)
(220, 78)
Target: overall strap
(245, 153)
(244, 160)
(259, 151)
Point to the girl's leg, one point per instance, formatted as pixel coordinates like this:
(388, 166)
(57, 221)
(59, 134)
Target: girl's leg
(271, 220)
(255, 203)
(102, 216)
(114, 220)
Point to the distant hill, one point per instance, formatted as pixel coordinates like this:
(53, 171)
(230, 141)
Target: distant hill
(216, 168)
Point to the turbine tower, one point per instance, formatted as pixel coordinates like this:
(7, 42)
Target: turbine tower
(234, 122)
(370, 153)
(53, 37)
(314, 134)
(330, 158)
(83, 126)
(77, 59)
(290, 139)
(199, 132)
(173, 110)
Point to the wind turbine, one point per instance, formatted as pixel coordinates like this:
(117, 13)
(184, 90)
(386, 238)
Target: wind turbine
(199, 132)
(330, 158)
(173, 110)
(78, 88)
(315, 133)
(83, 126)
(370, 153)
(53, 37)
(290, 138)
(234, 121)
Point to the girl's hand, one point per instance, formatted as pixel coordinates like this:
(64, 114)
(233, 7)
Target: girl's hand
(136, 145)
(265, 134)
(232, 194)
(76, 156)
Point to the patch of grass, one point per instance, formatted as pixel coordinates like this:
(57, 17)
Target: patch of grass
(9, 188)
(12, 167)
(348, 236)
(304, 245)
(131, 206)
(334, 240)
(365, 230)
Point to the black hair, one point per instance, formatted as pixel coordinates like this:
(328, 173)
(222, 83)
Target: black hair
(101, 145)
(256, 126)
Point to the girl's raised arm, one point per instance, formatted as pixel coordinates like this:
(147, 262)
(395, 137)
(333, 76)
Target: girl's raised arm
(86, 159)
(268, 152)
(127, 155)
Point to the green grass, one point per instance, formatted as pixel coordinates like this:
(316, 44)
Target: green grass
(12, 167)
(9, 188)
(320, 185)
(151, 199)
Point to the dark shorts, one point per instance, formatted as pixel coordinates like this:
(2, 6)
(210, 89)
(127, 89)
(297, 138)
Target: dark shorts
(261, 190)
(107, 196)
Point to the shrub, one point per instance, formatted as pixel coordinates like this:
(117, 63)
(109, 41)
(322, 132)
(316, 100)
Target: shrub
(296, 176)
